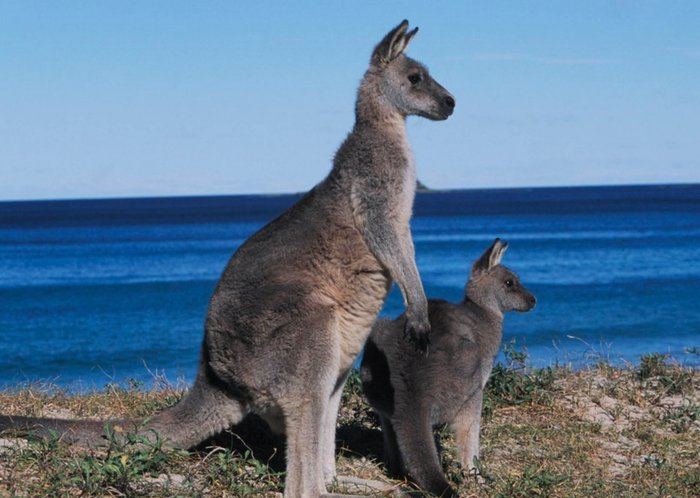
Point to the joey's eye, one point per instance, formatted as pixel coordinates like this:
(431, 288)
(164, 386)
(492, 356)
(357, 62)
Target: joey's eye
(414, 78)
(509, 283)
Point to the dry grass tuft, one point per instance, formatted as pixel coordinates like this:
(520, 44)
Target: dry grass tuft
(597, 432)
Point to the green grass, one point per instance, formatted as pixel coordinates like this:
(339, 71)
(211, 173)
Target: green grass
(597, 432)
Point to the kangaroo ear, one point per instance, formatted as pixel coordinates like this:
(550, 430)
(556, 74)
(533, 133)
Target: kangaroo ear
(393, 44)
(491, 257)
(498, 250)
(402, 44)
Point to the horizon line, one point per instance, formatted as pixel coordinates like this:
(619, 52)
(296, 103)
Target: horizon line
(422, 189)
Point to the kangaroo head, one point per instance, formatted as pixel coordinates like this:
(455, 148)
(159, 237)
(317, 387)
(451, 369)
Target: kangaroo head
(496, 287)
(403, 84)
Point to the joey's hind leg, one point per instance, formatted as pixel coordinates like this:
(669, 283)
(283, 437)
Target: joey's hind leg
(420, 456)
(392, 456)
(466, 426)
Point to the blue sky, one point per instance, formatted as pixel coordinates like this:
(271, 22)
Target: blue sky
(113, 99)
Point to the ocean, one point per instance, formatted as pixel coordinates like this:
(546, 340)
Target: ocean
(94, 292)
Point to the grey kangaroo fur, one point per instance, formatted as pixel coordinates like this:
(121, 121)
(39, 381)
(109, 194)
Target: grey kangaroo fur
(297, 300)
(412, 393)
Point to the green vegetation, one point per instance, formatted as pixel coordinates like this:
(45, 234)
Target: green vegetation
(597, 432)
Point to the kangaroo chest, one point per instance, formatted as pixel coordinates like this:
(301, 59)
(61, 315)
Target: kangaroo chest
(356, 319)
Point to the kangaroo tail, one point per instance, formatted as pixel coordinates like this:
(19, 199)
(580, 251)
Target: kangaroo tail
(88, 433)
(204, 412)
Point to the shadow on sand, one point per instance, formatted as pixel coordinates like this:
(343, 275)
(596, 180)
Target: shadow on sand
(254, 436)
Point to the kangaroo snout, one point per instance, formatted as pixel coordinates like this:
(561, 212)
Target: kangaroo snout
(533, 301)
(447, 106)
(449, 101)
(530, 301)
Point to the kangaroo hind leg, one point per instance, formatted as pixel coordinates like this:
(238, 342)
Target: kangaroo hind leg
(329, 431)
(466, 427)
(420, 456)
(306, 400)
(392, 455)
(204, 412)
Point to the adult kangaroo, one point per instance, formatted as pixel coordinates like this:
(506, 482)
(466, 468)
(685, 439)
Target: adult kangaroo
(412, 393)
(297, 300)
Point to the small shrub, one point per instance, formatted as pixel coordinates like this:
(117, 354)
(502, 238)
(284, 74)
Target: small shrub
(532, 482)
(515, 383)
(127, 459)
(652, 365)
(694, 351)
(243, 475)
(353, 386)
(666, 380)
(683, 417)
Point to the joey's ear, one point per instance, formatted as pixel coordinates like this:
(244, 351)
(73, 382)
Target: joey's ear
(491, 257)
(393, 44)
(498, 249)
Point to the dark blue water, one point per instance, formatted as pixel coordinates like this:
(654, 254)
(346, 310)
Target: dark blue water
(100, 291)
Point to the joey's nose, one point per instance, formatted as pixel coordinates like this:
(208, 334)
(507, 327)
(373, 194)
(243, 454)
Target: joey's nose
(533, 301)
(449, 101)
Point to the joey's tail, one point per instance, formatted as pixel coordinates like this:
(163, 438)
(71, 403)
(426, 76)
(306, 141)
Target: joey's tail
(204, 412)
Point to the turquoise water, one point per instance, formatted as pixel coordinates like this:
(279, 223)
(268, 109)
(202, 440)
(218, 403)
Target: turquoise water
(101, 291)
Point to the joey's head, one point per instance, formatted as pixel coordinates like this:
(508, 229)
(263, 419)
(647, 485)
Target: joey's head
(496, 287)
(397, 84)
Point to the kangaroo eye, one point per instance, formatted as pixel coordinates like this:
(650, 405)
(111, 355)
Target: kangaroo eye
(509, 283)
(414, 78)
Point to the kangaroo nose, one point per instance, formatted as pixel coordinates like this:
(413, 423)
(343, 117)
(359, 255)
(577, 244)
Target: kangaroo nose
(533, 301)
(449, 102)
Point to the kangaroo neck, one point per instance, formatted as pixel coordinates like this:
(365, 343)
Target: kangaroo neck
(380, 125)
(378, 143)
(373, 111)
(488, 308)
(391, 132)
(491, 330)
